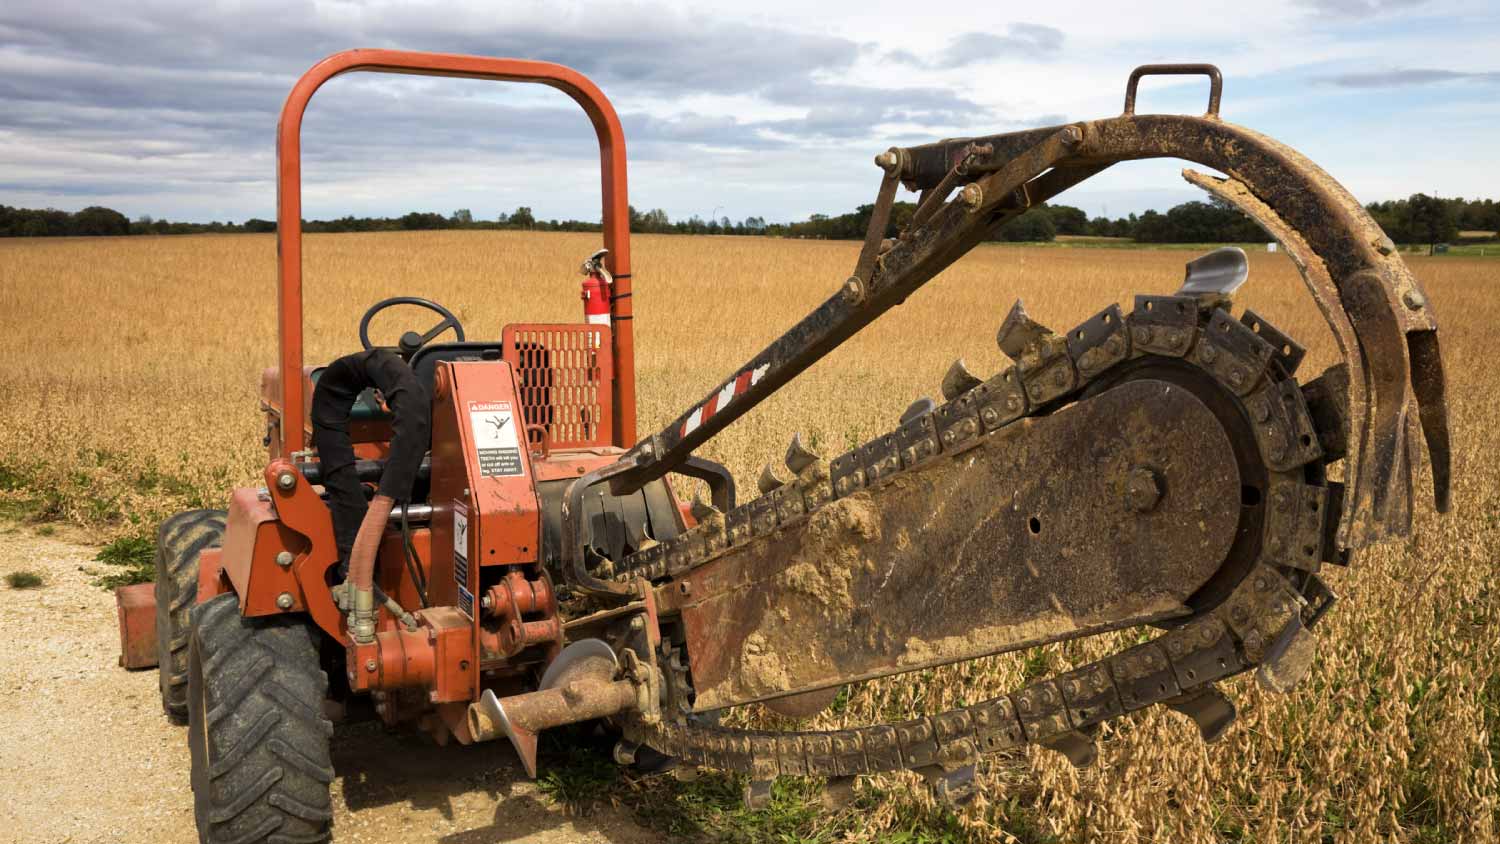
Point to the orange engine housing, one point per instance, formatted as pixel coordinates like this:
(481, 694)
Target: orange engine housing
(502, 432)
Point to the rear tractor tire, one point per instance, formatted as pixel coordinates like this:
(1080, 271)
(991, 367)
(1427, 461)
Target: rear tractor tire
(179, 541)
(259, 740)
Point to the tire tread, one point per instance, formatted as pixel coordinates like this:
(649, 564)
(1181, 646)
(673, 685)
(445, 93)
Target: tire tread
(179, 541)
(262, 766)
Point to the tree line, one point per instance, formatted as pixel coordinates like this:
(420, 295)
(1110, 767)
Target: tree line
(1417, 219)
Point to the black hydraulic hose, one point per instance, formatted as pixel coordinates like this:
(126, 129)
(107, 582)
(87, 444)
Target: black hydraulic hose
(417, 578)
(338, 388)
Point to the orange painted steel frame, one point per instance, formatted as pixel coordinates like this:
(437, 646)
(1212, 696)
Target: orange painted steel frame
(289, 206)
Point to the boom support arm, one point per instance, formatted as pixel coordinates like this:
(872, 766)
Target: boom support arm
(1372, 302)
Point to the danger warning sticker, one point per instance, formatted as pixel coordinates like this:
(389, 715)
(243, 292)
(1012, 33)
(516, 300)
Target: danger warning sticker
(495, 441)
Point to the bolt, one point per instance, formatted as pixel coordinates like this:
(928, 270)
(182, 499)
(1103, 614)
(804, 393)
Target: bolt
(972, 196)
(284, 559)
(1384, 245)
(286, 481)
(854, 290)
(1012, 403)
(1174, 338)
(285, 600)
(637, 623)
(1207, 353)
(1142, 489)
(1262, 411)
(1413, 300)
(1072, 136)
(370, 665)
(1236, 377)
(1114, 345)
(888, 160)
(1060, 377)
(1142, 334)
(990, 415)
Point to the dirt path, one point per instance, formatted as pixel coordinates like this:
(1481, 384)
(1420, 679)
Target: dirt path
(87, 756)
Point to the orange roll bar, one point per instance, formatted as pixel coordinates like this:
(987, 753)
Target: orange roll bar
(289, 208)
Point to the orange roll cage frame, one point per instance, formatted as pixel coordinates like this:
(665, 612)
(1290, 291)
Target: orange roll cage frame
(616, 214)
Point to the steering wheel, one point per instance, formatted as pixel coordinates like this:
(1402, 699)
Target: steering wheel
(410, 341)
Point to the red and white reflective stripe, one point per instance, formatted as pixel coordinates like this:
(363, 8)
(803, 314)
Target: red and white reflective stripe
(722, 398)
(599, 319)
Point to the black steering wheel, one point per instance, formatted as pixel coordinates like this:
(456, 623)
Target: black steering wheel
(410, 341)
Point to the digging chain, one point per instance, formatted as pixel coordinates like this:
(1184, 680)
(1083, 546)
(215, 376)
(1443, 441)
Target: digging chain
(1263, 622)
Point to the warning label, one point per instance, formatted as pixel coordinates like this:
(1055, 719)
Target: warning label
(461, 558)
(495, 441)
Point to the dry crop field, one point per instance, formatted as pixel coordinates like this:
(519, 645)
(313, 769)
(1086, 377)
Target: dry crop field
(131, 390)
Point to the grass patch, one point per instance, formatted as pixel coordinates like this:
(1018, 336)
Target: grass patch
(712, 808)
(576, 775)
(134, 559)
(25, 580)
(46, 530)
(10, 479)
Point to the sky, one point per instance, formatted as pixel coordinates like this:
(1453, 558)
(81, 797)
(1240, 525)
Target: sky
(771, 109)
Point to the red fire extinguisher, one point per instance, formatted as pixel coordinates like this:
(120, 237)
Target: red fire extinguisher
(597, 288)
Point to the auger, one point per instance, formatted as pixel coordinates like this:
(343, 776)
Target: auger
(471, 533)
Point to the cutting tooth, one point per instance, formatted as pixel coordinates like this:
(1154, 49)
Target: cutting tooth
(959, 380)
(757, 794)
(955, 787)
(702, 511)
(838, 792)
(1209, 709)
(798, 456)
(1077, 746)
(919, 408)
(1020, 333)
(769, 479)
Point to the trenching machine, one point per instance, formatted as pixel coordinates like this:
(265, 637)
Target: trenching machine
(471, 533)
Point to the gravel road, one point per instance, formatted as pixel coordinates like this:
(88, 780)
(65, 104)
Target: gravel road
(87, 756)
